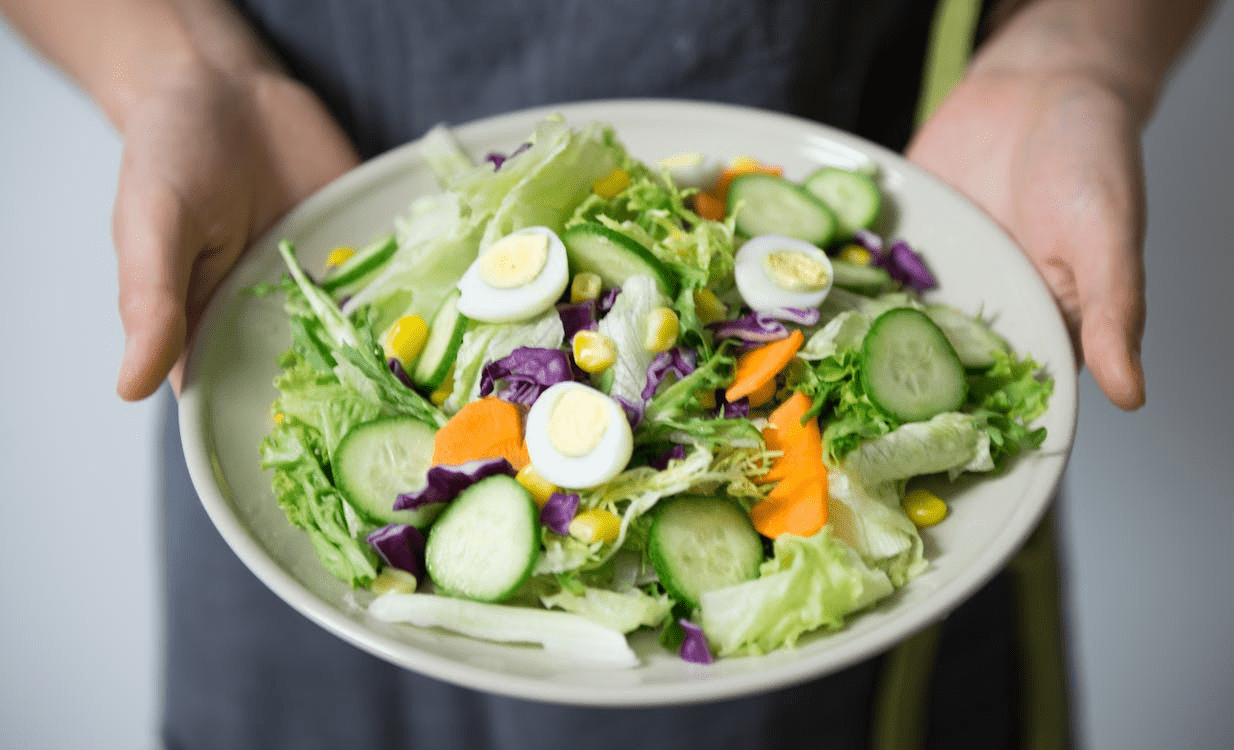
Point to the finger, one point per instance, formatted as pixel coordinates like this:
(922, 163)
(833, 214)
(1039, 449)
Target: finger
(153, 279)
(1109, 286)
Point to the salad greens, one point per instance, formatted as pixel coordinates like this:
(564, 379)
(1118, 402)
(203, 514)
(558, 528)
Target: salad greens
(592, 579)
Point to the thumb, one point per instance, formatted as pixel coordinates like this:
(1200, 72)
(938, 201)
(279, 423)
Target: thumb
(153, 269)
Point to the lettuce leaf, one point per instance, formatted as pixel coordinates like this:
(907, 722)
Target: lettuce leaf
(302, 487)
(623, 611)
(942, 443)
(489, 342)
(624, 325)
(810, 583)
(869, 519)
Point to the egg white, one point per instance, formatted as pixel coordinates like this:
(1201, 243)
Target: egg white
(603, 462)
(480, 301)
(759, 290)
(692, 170)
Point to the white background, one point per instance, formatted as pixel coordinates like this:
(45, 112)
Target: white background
(1148, 520)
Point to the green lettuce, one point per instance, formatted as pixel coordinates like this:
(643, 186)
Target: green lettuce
(623, 611)
(809, 583)
(624, 324)
(488, 342)
(301, 483)
(946, 442)
(868, 518)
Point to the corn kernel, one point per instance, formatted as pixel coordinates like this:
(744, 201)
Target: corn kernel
(439, 396)
(593, 351)
(611, 184)
(924, 508)
(708, 307)
(585, 286)
(855, 254)
(660, 330)
(338, 256)
(540, 488)
(595, 525)
(762, 394)
(406, 338)
(394, 579)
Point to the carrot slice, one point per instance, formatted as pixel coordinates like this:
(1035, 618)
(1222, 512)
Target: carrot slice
(710, 207)
(487, 428)
(796, 506)
(758, 366)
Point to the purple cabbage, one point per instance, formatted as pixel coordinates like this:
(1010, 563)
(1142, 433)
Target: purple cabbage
(739, 409)
(694, 647)
(497, 159)
(660, 462)
(559, 511)
(634, 411)
(399, 546)
(900, 260)
(575, 317)
(444, 483)
(399, 371)
(527, 372)
(679, 361)
(907, 267)
(763, 326)
(605, 303)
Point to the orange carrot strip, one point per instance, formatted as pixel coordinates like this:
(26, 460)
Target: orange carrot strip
(757, 366)
(710, 207)
(488, 428)
(796, 506)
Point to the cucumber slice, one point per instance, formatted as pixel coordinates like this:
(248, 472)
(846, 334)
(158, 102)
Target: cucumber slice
(852, 196)
(445, 335)
(863, 279)
(484, 545)
(769, 204)
(698, 544)
(908, 367)
(614, 257)
(357, 270)
(972, 339)
(378, 460)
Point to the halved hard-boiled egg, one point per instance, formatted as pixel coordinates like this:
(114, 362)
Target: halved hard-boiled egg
(577, 437)
(692, 170)
(773, 271)
(516, 278)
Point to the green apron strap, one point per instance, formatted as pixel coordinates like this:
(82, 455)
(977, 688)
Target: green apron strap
(948, 51)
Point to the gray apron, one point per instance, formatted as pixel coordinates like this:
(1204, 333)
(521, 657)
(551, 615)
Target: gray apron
(246, 672)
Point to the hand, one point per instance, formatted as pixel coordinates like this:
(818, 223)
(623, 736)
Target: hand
(1055, 159)
(210, 161)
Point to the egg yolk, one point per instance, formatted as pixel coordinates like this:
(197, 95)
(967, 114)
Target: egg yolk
(795, 271)
(577, 421)
(514, 261)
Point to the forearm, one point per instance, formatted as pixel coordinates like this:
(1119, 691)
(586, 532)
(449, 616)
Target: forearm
(1129, 45)
(117, 50)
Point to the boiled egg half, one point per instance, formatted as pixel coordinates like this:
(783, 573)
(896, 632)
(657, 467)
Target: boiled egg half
(577, 437)
(516, 278)
(773, 271)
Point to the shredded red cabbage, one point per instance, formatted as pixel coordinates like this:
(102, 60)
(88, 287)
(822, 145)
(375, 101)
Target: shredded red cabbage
(694, 648)
(679, 362)
(497, 159)
(605, 303)
(399, 371)
(526, 372)
(869, 240)
(559, 511)
(739, 409)
(907, 267)
(444, 483)
(400, 546)
(578, 316)
(660, 462)
(764, 325)
(634, 412)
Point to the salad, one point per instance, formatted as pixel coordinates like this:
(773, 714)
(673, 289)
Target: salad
(574, 395)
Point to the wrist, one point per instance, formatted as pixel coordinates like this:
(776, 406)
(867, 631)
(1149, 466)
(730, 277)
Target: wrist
(1126, 47)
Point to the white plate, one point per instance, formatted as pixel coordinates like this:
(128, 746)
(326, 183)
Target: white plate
(224, 408)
